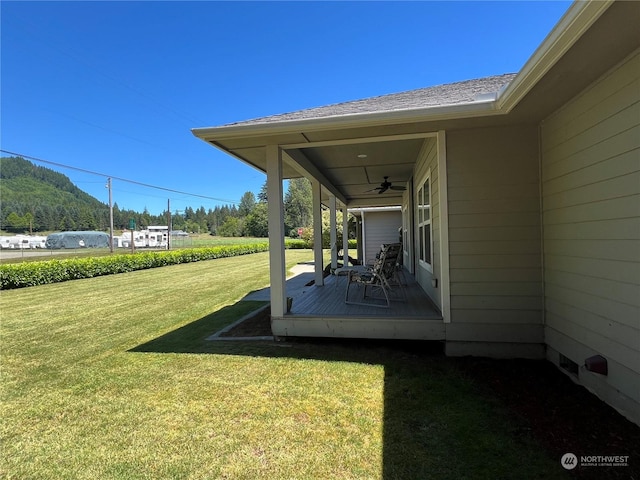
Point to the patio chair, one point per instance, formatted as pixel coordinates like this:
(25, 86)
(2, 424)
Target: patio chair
(375, 278)
(344, 268)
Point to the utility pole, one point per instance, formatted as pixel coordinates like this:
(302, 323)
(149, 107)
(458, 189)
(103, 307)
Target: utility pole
(168, 224)
(110, 216)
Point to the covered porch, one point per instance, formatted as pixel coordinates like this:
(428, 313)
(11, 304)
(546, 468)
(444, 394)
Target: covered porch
(384, 159)
(325, 313)
(320, 310)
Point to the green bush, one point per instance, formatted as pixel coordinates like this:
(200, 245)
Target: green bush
(30, 274)
(294, 244)
(306, 241)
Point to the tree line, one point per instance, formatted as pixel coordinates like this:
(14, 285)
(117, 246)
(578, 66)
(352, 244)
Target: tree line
(38, 199)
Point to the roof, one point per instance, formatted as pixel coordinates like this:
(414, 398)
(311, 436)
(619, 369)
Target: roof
(466, 92)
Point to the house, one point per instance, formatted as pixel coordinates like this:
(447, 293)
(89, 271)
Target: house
(521, 206)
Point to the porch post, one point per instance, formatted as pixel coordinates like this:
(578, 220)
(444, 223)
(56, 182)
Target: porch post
(333, 232)
(345, 236)
(275, 212)
(316, 191)
(444, 227)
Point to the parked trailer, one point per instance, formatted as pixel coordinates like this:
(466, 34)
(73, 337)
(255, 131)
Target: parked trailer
(22, 242)
(157, 236)
(37, 242)
(138, 239)
(15, 242)
(152, 237)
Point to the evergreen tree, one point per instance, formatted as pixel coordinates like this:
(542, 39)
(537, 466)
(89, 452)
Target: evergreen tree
(298, 202)
(262, 195)
(247, 204)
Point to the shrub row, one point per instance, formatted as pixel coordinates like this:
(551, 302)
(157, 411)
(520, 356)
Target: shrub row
(30, 274)
(302, 243)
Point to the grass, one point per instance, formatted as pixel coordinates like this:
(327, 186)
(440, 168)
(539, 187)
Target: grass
(111, 378)
(203, 239)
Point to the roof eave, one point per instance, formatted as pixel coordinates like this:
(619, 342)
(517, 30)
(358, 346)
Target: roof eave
(573, 24)
(463, 110)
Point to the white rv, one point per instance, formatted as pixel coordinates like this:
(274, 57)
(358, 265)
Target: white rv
(138, 239)
(156, 236)
(152, 237)
(16, 242)
(37, 241)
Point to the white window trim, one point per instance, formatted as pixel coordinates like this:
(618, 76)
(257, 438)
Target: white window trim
(421, 263)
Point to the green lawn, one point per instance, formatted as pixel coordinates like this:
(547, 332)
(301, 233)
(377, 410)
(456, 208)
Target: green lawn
(111, 378)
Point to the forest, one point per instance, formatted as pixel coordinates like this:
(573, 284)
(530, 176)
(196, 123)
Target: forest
(38, 199)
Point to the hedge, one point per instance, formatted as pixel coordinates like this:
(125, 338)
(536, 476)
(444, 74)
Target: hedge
(301, 243)
(30, 274)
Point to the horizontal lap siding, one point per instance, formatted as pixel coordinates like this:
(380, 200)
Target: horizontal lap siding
(380, 227)
(591, 218)
(495, 235)
(428, 161)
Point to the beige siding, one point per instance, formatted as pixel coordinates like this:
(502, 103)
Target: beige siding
(591, 219)
(428, 162)
(495, 236)
(380, 227)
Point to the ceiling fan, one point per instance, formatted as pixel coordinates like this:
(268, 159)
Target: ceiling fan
(386, 185)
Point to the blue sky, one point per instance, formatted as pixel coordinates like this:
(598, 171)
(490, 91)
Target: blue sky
(115, 87)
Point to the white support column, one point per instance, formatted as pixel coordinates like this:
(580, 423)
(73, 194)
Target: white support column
(443, 188)
(316, 194)
(333, 233)
(275, 211)
(345, 235)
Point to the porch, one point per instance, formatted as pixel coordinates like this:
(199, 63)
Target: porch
(320, 311)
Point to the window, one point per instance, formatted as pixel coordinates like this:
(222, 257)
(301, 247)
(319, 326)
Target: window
(424, 223)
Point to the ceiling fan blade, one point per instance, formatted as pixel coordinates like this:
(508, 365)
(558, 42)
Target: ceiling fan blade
(398, 187)
(372, 190)
(382, 190)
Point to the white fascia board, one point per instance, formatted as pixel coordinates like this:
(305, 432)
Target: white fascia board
(573, 24)
(445, 112)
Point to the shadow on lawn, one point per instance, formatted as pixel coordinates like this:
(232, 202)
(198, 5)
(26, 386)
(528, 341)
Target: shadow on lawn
(453, 417)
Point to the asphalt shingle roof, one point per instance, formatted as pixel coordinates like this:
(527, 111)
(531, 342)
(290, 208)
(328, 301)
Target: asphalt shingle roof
(438, 96)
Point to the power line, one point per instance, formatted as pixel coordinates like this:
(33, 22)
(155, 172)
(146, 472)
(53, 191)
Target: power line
(134, 182)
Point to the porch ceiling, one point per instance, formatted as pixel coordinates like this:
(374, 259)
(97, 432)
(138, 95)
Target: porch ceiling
(357, 169)
(353, 166)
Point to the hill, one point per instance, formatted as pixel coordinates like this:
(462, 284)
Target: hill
(40, 199)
